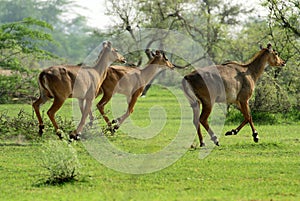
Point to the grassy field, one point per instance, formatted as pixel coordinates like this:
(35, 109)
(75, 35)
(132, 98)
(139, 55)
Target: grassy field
(239, 169)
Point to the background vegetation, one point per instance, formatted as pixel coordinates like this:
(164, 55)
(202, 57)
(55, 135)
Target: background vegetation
(39, 33)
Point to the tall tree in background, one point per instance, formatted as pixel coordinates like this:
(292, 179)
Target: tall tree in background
(207, 21)
(284, 26)
(22, 43)
(25, 38)
(27, 34)
(75, 39)
(285, 14)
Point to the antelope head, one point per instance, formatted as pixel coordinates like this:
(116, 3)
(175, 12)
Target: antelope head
(159, 58)
(273, 58)
(111, 53)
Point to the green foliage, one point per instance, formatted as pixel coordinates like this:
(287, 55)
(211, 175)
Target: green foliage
(22, 39)
(269, 96)
(60, 161)
(22, 125)
(74, 39)
(19, 87)
(234, 116)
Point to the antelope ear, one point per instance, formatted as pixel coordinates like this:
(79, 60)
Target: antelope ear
(153, 54)
(260, 46)
(269, 46)
(104, 44)
(109, 44)
(149, 53)
(164, 55)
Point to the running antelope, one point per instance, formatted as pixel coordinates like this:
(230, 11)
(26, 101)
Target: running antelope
(130, 82)
(66, 81)
(231, 82)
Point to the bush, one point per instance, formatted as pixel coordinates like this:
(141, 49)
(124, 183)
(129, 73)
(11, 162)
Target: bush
(60, 161)
(25, 125)
(270, 97)
(18, 88)
(21, 125)
(236, 117)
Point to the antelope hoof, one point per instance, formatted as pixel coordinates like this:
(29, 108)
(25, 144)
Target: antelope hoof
(215, 140)
(115, 121)
(232, 132)
(193, 146)
(202, 144)
(255, 137)
(60, 134)
(116, 127)
(112, 130)
(41, 128)
(74, 136)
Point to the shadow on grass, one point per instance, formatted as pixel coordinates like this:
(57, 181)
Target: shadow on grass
(58, 182)
(16, 144)
(258, 146)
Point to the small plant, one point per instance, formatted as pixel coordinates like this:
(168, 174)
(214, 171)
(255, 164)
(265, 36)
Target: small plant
(60, 161)
(15, 126)
(25, 125)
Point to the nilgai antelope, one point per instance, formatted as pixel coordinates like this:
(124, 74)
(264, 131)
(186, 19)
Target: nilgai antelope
(65, 81)
(231, 82)
(130, 82)
(150, 54)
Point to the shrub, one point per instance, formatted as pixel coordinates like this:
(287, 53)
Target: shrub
(236, 117)
(18, 88)
(21, 125)
(269, 96)
(25, 125)
(60, 161)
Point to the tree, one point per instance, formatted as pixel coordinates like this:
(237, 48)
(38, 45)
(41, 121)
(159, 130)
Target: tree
(21, 44)
(284, 26)
(74, 39)
(24, 38)
(285, 14)
(207, 21)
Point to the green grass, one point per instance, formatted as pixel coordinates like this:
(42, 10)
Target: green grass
(237, 170)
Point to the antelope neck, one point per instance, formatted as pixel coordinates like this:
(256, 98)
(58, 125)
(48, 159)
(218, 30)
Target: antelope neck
(102, 64)
(149, 72)
(257, 66)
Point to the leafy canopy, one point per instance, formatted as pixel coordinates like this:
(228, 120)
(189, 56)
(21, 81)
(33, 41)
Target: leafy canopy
(24, 38)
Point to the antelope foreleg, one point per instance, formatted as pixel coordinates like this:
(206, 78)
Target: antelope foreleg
(87, 109)
(247, 119)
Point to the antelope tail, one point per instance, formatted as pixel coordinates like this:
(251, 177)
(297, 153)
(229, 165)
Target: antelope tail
(188, 91)
(43, 80)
